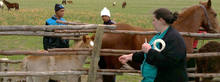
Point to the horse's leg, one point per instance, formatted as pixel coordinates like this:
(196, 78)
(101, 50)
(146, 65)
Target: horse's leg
(200, 67)
(41, 79)
(99, 78)
(29, 79)
(206, 79)
(111, 63)
(109, 78)
(17, 7)
(73, 78)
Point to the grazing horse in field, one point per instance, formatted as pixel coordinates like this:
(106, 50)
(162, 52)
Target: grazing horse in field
(64, 2)
(114, 3)
(57, 63)
(11, 5)
(70, 2)
(124, 4)
(189, 20)
(209, 64)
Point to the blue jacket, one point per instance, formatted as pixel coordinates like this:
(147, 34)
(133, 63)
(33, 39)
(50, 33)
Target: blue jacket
(54, 42)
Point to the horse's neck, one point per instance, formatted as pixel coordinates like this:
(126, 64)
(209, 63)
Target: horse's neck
(6, 2)
(128, 27)
(189, 20)
(80, 58)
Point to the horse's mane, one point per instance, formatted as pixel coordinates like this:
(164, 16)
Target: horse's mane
(78, 44)
(124, 26)
(183, 16)
(186, 13)
(6, 2)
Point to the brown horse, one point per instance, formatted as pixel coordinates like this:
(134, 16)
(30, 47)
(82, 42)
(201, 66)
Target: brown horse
(124, 4)
(209, 64)
(11, 5)
(57, 63)
(69, 2)
(188, 21)
(64, 2)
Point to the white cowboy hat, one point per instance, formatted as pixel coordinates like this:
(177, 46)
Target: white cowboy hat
(106, 12)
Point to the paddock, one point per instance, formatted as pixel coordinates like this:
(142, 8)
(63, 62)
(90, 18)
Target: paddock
(66, 31)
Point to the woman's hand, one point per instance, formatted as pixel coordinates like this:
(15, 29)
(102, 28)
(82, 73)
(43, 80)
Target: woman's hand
(146, 47)
(125, 58)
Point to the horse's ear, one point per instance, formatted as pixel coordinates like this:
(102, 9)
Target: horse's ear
(209, 4)
(93, 37)
(84, 38)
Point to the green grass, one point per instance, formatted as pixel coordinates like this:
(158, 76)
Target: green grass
(35, 12)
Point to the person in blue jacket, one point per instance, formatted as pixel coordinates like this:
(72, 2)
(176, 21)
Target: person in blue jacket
(168, 65)
(50, 42)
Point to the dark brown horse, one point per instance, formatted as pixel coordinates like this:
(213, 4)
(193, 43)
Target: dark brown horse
(209, 64)
(64, 2)
(11, 5)
(69, 2)
(124, 4)
(188, 21)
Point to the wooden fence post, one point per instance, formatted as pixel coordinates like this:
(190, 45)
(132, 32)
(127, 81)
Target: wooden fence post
(95, 55)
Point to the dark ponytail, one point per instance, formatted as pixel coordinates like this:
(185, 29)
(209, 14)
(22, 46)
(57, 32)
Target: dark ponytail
(175, 16)
(166, 14)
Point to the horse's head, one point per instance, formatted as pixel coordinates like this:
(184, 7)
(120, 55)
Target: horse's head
(124, 4)
(86, 42)
(209, 20)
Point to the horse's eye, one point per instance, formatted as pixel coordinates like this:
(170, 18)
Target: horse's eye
(215, 14)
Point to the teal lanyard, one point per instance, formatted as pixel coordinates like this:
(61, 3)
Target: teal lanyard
(158, 36)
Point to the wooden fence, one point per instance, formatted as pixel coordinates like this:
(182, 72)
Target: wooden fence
(76, 30)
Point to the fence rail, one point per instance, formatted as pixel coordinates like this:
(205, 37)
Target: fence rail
(53, 27)
(77, 30)
(40, 33)
(85, 72)
(72, 30)
(11, 61)
(197, 35)
(104, 52)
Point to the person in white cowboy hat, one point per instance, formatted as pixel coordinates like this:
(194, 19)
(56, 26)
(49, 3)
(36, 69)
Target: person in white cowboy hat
(105, 14)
